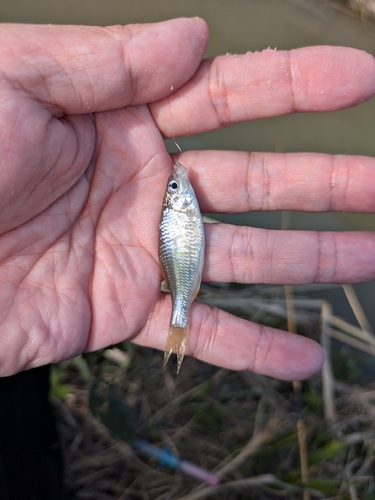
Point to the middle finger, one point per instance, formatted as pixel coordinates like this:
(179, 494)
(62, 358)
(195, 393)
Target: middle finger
(227, 181)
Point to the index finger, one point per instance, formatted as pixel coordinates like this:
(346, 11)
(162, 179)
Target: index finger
(234, 88)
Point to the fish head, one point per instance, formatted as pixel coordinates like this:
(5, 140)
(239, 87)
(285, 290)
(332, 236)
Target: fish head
(179, 193)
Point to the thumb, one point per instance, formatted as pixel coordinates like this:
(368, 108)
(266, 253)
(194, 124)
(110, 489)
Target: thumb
(80, 69)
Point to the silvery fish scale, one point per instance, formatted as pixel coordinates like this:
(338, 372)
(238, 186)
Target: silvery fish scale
(181, 247)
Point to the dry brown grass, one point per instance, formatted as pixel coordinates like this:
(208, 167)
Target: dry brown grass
(241, 426)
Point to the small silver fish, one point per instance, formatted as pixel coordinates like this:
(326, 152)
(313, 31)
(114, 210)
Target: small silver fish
(181, 255)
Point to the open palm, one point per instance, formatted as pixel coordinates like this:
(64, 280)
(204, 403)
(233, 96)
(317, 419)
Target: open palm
(83, 168)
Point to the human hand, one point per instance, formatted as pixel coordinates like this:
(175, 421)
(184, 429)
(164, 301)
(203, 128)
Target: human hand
(83, 169)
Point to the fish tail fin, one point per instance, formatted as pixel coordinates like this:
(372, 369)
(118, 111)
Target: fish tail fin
(176, 343)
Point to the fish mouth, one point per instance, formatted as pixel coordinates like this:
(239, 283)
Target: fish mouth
(180, 170)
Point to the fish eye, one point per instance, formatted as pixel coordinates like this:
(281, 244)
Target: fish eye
(172, 187)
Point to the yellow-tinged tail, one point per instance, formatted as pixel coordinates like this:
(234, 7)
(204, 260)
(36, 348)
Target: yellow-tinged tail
(176, 343)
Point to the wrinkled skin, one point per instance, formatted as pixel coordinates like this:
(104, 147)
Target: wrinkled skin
(83, 167)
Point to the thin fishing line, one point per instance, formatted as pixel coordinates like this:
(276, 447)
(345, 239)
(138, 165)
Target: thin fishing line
(174, 137)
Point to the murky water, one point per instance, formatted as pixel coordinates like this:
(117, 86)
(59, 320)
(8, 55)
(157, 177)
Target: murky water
(248, 25)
